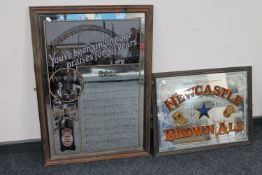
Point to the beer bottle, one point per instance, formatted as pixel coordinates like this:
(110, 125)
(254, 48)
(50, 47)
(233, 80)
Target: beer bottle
(67, 141)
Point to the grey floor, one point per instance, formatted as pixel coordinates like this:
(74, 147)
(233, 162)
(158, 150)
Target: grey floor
(235, 160)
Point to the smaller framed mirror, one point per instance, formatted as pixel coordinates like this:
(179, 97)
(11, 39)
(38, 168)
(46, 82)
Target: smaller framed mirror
(202, 109)
(93, 77)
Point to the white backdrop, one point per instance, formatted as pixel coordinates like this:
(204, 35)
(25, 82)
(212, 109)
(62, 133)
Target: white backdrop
(188, 34)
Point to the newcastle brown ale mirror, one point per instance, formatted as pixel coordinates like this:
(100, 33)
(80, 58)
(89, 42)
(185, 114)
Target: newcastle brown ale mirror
(93, 74)
(202, 109)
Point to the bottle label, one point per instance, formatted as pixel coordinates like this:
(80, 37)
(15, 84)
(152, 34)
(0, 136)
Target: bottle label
(67, 137)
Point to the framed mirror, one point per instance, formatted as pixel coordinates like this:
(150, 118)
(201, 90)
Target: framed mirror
(93, 78)
(202, 109)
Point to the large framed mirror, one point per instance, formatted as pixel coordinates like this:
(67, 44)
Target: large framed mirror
(93, 78)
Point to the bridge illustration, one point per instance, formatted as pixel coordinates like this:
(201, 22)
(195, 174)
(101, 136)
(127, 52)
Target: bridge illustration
(91, 34)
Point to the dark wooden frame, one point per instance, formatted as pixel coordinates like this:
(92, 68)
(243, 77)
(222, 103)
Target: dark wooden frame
(248, 69)
(34, 15)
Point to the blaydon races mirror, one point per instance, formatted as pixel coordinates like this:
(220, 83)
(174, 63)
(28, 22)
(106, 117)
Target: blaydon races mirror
(202, 109)
(93, 77)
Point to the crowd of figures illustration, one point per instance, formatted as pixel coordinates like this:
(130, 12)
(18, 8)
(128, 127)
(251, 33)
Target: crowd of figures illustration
(65, 84)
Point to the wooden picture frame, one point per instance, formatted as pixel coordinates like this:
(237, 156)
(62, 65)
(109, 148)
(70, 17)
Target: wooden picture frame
(202, 109)
(92, 64)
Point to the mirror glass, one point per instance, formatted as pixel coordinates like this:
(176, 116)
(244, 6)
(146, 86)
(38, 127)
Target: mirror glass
(94, 81)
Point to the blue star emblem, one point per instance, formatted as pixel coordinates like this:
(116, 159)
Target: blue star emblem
(203, 111)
